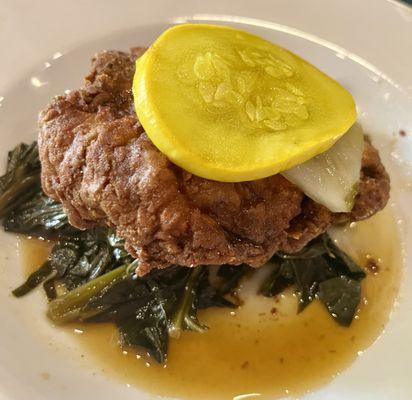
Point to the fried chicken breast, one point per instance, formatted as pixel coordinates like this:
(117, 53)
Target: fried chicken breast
(99, 163)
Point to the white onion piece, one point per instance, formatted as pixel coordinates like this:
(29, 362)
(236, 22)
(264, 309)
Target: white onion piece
(331, 178)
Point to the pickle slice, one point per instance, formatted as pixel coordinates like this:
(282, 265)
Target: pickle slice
(332, 178)
(230, 106)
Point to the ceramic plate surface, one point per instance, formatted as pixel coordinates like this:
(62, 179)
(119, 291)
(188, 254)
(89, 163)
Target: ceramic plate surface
(46, 49)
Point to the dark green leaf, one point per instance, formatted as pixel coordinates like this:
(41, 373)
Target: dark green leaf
(308, 274)
(147, 328)
(319, 264)
(130, 293)
(34, 280)
(24, 155)
(341, 296)
(280, 279)
(64, 256)
(21, 179)
(74, 305)
(209, 296)
(39, 216)
(231, 276)
(315, 248)
(79, 259)
(185, 313)
(50, 288)
(117, 244)
(341, 261)
(83, 258)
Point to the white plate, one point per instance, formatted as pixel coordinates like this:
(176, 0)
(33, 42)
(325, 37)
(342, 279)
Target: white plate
(30, 32)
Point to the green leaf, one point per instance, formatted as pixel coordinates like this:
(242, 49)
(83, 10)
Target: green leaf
(185, 313)
(73, 305)
(320, 264)
(341, 296)
(34, 280)
(40, 216)
(308, 274)
(315, 248)
(281, 278)
(117, 244)
(231, 276)
(341, 261)
(147, 328)
(209, 295)
(49, 288)
(21, 179)
(64, 255)
(82, 258)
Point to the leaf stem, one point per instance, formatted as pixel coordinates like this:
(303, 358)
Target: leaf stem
(181, 316)
(69, 307)
(13, 192)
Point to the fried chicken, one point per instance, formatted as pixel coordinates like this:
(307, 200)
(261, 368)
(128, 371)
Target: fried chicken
(99, 163)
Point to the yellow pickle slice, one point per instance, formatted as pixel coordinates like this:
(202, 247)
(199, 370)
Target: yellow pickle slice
(230, 106)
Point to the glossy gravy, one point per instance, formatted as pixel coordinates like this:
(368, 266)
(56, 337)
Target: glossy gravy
(262, 349)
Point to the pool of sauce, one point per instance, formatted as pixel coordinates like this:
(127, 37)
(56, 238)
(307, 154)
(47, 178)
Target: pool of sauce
(263, 349)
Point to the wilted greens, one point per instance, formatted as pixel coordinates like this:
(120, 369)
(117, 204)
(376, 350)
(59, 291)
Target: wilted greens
(90, 277)
(147, 310)
(320, 270)
(22, 177)
(39, 216)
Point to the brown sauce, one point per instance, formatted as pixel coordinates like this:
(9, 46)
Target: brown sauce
(263, 348)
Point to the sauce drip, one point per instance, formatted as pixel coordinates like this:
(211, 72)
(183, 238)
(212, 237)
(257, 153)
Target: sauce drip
(264, 348)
